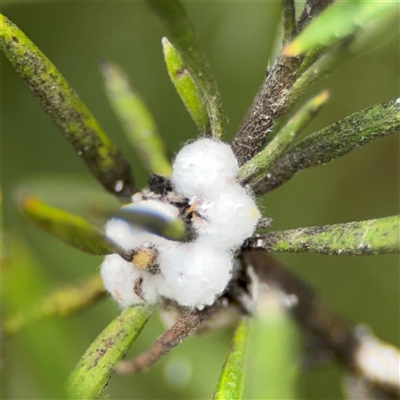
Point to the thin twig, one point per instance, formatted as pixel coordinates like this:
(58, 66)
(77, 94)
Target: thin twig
(184, 327)
(288, 20)
(311, 9)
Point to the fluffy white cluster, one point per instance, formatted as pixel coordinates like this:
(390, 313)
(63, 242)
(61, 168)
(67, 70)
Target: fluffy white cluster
(223, 215)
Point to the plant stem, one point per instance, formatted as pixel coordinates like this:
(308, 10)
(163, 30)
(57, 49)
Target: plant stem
(271, 102)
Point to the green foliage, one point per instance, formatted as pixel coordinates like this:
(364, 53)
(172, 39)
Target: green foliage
(375, 236)
(136, 119)
(273, 345)
(231, 381)
(256, 168)
(67, 227)
(186, 87)
(274, 349)
(96, 366)
(334, 141)
(342, 20)
(59, 303)
(183, 37)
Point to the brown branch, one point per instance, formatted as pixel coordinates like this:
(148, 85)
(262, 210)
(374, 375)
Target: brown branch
(311, 9)
(272, 102)
(184, 327)
(359, 352)
(288, 20)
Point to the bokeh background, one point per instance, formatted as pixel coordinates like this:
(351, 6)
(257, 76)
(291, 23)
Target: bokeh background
(238, 39)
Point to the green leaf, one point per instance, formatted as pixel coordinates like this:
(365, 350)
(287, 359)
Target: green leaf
(274, 353)
(78, 194)
(231, 380)
(96, 366)
(374, 236)
(136, 119)
(44, 344)
(170, 228)
(67, 111)
(254, 170)
(342, 20)
(332, 142)
(186, 87)
(182, 35)
(59, 303)
(67, 227)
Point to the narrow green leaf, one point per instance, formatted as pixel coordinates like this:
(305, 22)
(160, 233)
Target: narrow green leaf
(186, 87)
(316, 66)
(182, 35)
(96, 366)
(67, 227)
(231, 380)
(46, 343)
(254, 170)
(332, 142)
(274, 353)
(170, 228)
(78, 194)
(59, 303)
(374, 236)
(341, 20)
(67, 111)
(136, 119)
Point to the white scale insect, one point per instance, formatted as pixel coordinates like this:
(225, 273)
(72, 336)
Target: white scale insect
(192, 274)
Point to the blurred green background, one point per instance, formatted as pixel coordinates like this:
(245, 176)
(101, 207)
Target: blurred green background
(238, 38)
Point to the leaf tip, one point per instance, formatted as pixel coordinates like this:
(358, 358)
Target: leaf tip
(26, 200)
(165, 42)
(291, 50)
(323, 97)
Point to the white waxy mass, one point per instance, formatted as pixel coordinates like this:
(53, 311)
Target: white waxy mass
(200, 168)
(192, 274)
(126, 283)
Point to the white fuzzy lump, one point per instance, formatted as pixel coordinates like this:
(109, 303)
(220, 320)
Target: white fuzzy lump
(192, 274)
